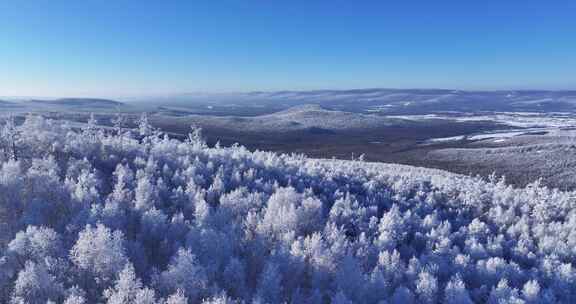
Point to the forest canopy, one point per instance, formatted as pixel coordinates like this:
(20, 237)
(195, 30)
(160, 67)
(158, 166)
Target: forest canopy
(112, 215)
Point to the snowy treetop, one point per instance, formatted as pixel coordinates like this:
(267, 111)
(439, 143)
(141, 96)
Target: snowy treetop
(98, 215)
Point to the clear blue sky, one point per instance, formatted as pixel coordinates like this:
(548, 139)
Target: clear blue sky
(116, 47)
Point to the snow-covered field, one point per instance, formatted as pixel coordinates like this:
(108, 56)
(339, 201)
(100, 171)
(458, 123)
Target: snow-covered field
(497, 135)
(513, 119)
(523, 124)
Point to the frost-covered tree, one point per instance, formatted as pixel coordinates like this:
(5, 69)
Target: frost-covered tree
(269, 287)
(35, 244)
(427, 287)
(234, 278)
(99, 253)
(183, 273)
(128, 289)
(456, 292)
(177, 298)
(402, 295)
(140, 217)
(35, 285)
(9, 139)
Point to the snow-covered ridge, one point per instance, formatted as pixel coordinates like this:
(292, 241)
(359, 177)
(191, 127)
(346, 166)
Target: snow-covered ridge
(118, 216)
(394, 101)
(295, 118)
(81, 102)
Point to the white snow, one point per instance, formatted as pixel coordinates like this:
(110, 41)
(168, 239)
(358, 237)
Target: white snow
(514, 119)
(446, 139)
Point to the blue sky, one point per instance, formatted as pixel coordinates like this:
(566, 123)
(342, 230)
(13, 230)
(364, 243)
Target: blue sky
(121, 48)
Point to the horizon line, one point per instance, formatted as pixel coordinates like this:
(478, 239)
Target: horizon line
(232, 92)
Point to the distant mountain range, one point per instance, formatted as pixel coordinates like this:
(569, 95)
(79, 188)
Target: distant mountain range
(388, 101)
(8, 104)
(82, 102)
(375, 101)
(72, 104)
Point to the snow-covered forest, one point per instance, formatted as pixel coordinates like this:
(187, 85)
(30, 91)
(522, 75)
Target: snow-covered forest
(111, 215)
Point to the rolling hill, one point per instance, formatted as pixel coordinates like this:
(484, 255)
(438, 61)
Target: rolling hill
(79, 103)
(387, 101)
(304, 117)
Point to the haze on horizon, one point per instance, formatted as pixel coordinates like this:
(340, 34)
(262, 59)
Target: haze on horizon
(134, 48)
